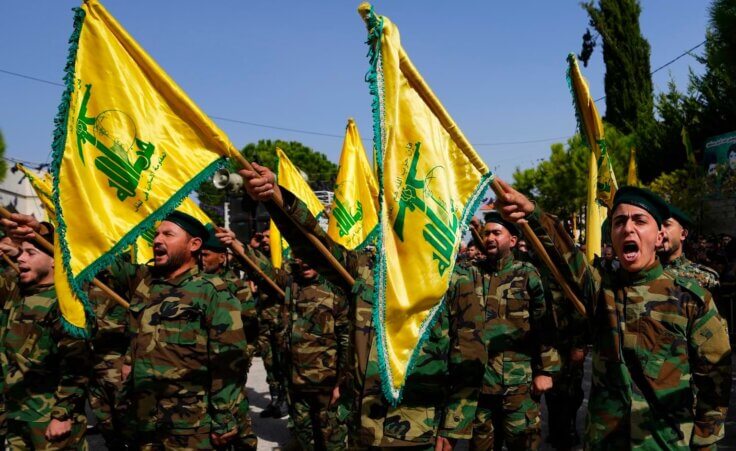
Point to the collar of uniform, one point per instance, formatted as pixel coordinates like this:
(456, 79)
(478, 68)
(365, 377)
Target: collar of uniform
(643, 276)
(500, 265)
(36, 289)
(678, 262)
(181, 278)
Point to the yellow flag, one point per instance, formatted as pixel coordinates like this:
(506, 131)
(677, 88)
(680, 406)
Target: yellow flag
(290, 178)
(632, 177)
(354, 213)
(128, 148)
(41, 184)
(431, 182)
(602, 184)
(591, 126)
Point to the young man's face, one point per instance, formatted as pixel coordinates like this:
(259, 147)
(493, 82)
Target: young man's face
(173, 246)
(212, 261)
(674, 235)
(35, 267)
(636, 236)
(497, 240)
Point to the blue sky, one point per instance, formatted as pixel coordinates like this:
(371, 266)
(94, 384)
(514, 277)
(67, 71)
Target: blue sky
(498, 67)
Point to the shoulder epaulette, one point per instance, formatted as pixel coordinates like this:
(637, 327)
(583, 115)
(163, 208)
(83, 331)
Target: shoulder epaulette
(692, 286)
(218, 282)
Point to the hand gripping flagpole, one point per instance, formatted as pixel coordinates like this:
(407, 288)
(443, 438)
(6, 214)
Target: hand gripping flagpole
(279, 202)
(41, 241)
(425, 92)
(241, 255)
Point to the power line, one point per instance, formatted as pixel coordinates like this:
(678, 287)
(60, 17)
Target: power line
(686, 52)
(296, 130)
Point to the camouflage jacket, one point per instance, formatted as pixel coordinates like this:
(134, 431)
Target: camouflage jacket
(187, 349)
(661, 357)
(703, 275)
(441, 393)
(45, 371)
(240, 288)
(317, 334)
(517, 327)
(110, 338)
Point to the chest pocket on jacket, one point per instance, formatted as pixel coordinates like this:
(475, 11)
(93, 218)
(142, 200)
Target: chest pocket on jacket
(179, 324)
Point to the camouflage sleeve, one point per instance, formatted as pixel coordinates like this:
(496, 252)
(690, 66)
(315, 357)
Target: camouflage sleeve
(297, 211)
(8, 284)
(121, 274)
(710, 360)
(74, 367)
(583, 278)
(547, 360)
(248, 312)
(227, 359)
(341, 313)
(468, 354)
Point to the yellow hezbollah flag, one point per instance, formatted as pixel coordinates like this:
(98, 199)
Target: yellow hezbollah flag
(632, 177)
(143, 250)
(128, 148)
(601, 179)
(41, 184)
(290, 178)
(353, 216)
(431, 182)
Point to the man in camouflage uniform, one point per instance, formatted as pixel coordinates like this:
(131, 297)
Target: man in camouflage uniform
(45, 370)
(661, 357)
(440, 394)
(270, 337)
(109, 346)
(215, 261)
(676, 230)
(521, 360)
(317, 348)
(12, 251)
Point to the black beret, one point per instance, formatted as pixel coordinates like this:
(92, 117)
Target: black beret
(643, 198)
(212, 243)
(189, 223)
(681, 217)
(495, 216)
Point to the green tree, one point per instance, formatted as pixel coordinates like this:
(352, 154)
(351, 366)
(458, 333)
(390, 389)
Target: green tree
(715, 90)
(628, 83)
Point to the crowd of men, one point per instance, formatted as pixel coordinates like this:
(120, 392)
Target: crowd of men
(169, 372)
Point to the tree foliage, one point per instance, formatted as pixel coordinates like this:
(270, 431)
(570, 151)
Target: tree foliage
(628, 83)
(715, 91)
(559, 184)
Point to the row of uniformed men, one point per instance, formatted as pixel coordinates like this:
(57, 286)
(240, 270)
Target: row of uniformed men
(656, 339)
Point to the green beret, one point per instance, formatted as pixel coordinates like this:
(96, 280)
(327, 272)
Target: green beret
(189, 223)
(643, 198)
(212, 243)
(681, 217)
(495, 216)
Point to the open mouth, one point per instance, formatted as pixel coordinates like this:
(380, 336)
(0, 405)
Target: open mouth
(630, 251)
(159, 252)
